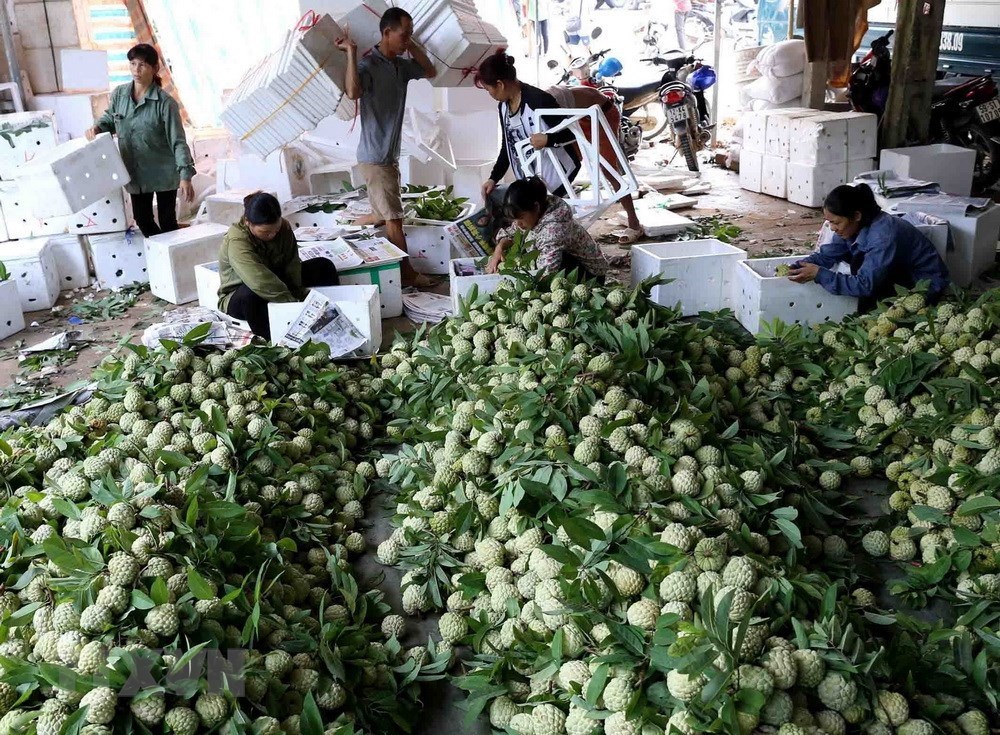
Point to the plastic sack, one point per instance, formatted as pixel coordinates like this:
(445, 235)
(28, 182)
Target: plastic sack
(775, 91)
(784, 59)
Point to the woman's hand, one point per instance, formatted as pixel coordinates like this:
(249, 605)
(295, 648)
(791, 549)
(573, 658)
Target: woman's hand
(488, 186)
(496, 260)
(92, 133)
(803, 272)
(187, 190)
(539, 141)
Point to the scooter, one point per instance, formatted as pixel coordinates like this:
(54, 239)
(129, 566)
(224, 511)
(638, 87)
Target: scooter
(966, 112)
(869, 85)
(742, 24)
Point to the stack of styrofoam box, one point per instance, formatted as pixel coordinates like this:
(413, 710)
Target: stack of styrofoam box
(360, 304)
(801, 154)
(25, 136)
(701, 273)
(386, 274)
(208, 146)
(430, 244)
(226, 208)
(291, 90)
(360, 19)
(454, 36)
(104, 215)
(949, 166)
(761, 297)
(974, 236)
(314, 216)
(119, 258)
(72, 176)
(75, 113)
(172, 256)
(45, 28)
(32, 263)
(11, 312)
(71, 262)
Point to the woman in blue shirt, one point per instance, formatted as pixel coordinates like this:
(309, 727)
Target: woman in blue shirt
(881, 249)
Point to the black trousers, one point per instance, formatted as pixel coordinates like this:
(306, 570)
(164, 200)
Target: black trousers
(166, 208)
(246, 305)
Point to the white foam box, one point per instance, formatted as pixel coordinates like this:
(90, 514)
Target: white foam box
(773, 178)
(330, 179)
(779, 129)
(660, 222)
(24, 136)
(809, 185)
(40, 66)
(462, 100)
(314, 219)
(226, 208)
(862, 135)
(48, 23)
(72, 176)
(818, 139)
(285, 173)
(71, 262)
(83, 70)
(387, 275)
(949, 165)
(467, 179)
(414, 171)
(701, 273)
(471, 133)
(172, 256)
(208, 280)
(858, 166)
(361, 19)
(751, 170)
(119, 258)
(211, 145)
(429, 247)
(75, 113)
(103, 216)
(11, 313)
(754, 133)
(20, 221)
(938, 235)
(975, 238)
(32, 263)
(461, 286)
(762, 297)
(360, 304)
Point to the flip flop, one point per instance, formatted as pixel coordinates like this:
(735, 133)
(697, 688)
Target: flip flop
(628, 236)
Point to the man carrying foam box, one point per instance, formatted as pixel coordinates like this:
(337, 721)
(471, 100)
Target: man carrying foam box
(379, 81)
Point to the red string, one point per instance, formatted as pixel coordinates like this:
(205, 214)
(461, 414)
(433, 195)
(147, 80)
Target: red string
(313, 17)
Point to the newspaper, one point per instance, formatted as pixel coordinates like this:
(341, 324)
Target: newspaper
(316, 202)
(338, 251)
(225, 332)
(944, 204)
(322, 321)
(469, 238)
(376, 250)
(891, 185)
(420, 306)
(318, 234)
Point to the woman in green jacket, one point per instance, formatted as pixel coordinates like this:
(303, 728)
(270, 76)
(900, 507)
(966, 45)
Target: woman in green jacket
(151, 139)
(259, 265)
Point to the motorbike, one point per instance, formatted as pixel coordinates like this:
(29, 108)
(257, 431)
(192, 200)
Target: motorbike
(966, 112)
(869, 85)
(742, 23)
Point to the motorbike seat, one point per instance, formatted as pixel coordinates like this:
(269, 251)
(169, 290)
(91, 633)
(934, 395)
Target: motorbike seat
(630, 93)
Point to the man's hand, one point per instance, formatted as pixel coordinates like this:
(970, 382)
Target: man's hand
(803, 272)
(488, 186)
(539, 141)
(187, 190)
(346, 45)
(92, 133)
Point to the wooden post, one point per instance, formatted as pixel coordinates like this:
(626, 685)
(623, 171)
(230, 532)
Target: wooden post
(814, 84)
(914, 67)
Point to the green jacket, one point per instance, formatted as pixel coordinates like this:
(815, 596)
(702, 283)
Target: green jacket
(272, 270)
(150, 138)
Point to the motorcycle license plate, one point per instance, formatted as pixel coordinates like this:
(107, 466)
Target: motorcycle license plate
(989, 111)
(677, 114)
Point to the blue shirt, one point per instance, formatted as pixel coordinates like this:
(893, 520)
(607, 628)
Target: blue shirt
(383, 104)
(888, 252)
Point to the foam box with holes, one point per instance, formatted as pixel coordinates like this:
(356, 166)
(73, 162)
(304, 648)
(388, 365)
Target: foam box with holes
(763, 297)
(702, 273)
(32, 263)
(360, 304)
(119, 258)
(103, 216)
(774, 176)
(20, 221)
(208, 280)
(71, 261)
(779, 130)
(389, 279)
(315, 217)
(429, 247)
(461, 286)
(818, 139)
(226, 208)
(809, 185)
(72, 176)
(751, 171)
(172, 257)
(11, 313)
(25, 135)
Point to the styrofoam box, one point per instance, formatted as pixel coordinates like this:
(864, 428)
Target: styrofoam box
(119, 258)
(32, 263)
(779, 130)
(773, 178)
(51, 23)
(208, 280)
(330, 179)
(702, 273)
(71, 262)
(429, 247)
(226, 208)
(75, 113)
(809, 185)
(103, 216)
(471, 133)
(464, 100)
(468, 177)
(40, 66)
(414, 171)
(360, 304)
(862, 135)
(818, 139)
(11, 313)
(461, 286)
(389, 279)
(763, 297)
(83, 69)
(72, 176)
(283, 172)
(948, 165)
(938, 235)
(362, 19)
(751, 170)
(314, 219)
(20, 221)
(755, 132)
(26, 135)
(211, 145)
(660, 222)
(858, 166)
(172, 256)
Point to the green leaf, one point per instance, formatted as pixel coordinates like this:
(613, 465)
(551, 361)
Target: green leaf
(142, 601)
(159, 592)
(199, 586)
(975, 506)
(310, 723)
(596, 686)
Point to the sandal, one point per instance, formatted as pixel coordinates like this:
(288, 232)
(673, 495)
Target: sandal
(628, 236)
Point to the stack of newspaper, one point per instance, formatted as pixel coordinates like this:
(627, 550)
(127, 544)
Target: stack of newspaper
(420, 306)
(322, 321)
(223, 332)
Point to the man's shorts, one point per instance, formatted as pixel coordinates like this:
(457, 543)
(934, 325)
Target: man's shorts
(383, 190)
